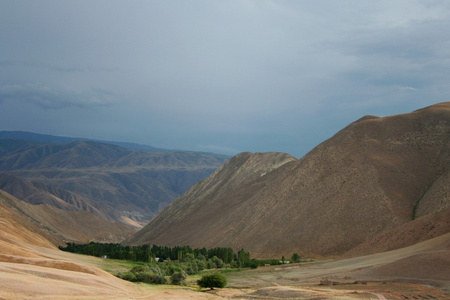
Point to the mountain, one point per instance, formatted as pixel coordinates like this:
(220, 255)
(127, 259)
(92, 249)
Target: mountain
(46, 138)
(59, 225)
(116, 184)
(374, 176)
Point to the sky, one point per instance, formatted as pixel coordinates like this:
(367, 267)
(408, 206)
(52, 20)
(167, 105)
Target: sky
(218, 76)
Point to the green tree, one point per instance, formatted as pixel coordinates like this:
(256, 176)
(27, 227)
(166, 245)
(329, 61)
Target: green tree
(217, 261)
(212, 281)
(295, 257)
(244, 258)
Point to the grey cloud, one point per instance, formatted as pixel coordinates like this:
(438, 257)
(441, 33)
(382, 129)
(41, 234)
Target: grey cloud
(58, 68)
(54, 98)
(246, 75)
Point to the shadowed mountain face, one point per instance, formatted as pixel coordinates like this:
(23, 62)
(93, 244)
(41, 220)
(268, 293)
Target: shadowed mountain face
(116, 184)
(375, 175)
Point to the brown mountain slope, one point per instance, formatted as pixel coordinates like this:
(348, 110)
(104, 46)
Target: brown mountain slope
(374, 175)
(60, 226)
(411, 233)
(202, 206)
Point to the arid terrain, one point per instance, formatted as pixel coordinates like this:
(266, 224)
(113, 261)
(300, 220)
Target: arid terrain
(33, 268)
(368, 209)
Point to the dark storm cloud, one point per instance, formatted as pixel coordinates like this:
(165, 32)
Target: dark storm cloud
(255, 75)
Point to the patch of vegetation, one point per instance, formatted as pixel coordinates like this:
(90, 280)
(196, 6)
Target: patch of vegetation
(178, 278)
(214, 280)
(160, 265)
(145, 253)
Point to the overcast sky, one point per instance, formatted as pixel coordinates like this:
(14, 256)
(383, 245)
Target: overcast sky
(218, 76)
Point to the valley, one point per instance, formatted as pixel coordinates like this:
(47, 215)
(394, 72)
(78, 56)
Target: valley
(370, 206)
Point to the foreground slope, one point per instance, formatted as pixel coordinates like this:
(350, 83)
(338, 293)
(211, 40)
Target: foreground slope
(374, 175)
(31, 267)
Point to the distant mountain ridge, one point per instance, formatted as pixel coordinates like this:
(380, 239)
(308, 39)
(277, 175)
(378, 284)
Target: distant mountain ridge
(372, 177)
(53, 139)
(117, 184)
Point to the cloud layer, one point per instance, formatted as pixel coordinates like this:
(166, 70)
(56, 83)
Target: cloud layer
(230, 76)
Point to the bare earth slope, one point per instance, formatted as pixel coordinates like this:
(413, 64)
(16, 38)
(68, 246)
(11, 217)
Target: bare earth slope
(411, 233)
(60, 226)
(30, 266)
(374, 175)
(195, 218)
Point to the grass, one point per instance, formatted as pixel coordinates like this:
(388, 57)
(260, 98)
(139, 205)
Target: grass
(115, 266)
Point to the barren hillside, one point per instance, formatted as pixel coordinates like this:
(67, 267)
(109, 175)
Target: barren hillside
(374, 175)
(60, 226)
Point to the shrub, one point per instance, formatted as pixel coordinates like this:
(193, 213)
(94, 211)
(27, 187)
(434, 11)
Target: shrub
(138, 269)
(172, 268)
(253, 264)
(149, 277)
(212, 280)
(130, 276)
(178, 278)
(158, 271)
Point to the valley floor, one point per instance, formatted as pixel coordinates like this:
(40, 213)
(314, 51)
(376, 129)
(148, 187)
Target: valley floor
(422, 271)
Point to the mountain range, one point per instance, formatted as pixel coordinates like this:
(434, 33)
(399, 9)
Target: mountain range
(104, 182)
(375, 198)
(379, 183)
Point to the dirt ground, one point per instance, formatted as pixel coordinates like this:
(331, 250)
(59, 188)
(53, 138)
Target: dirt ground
(421, 271)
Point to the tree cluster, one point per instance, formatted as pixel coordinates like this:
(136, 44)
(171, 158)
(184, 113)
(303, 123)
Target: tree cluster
(173, 263)
(145, 253)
